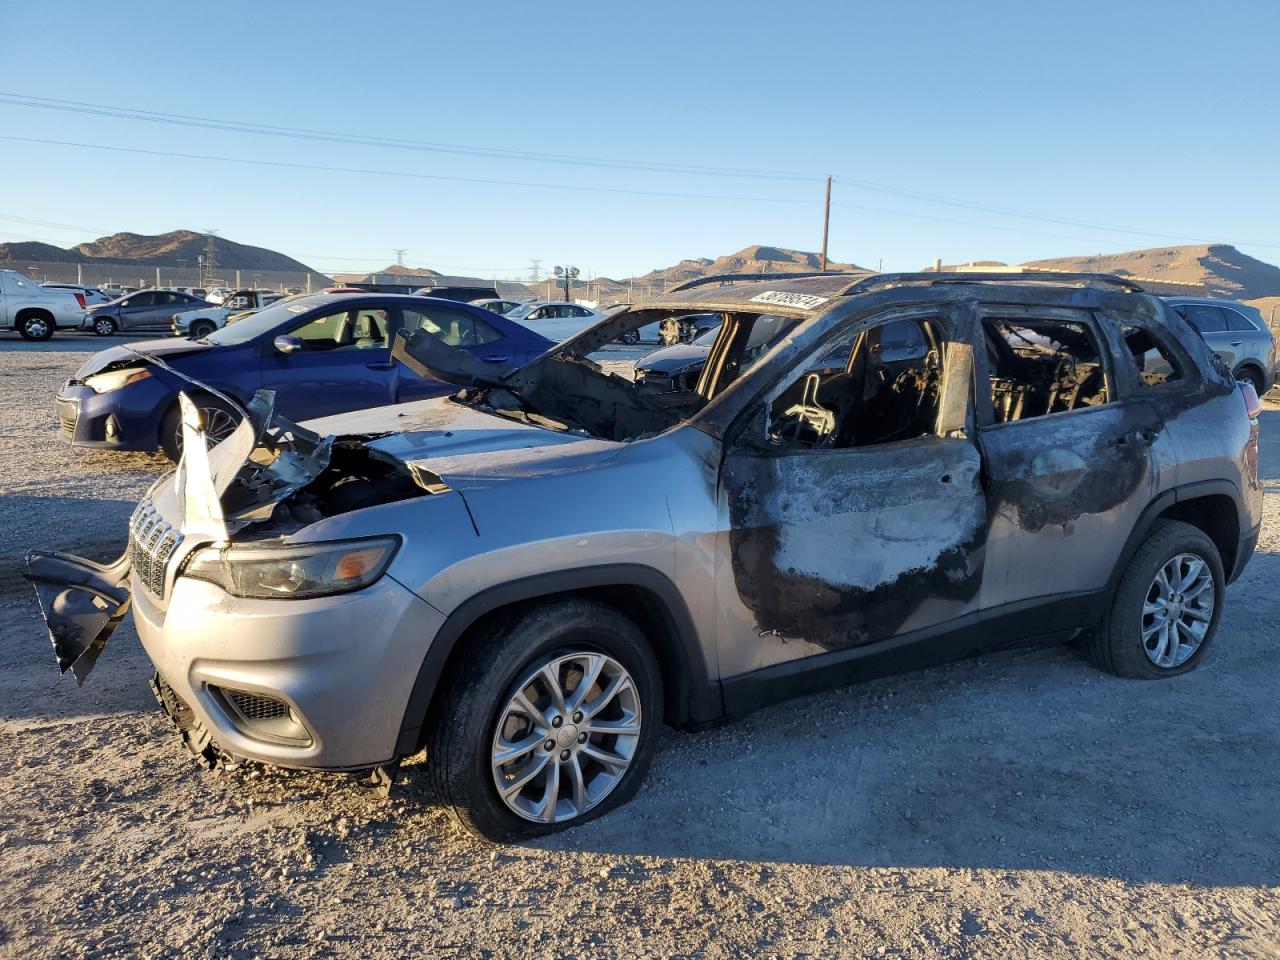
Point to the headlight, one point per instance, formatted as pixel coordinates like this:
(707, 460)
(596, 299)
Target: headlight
(115, 379)
(294, 572)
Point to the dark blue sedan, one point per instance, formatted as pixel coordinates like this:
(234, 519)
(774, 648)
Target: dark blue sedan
(322, 354)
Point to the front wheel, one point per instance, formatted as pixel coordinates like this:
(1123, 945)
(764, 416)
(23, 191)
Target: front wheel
(550, 722)
(220, 419)
(35, 328)
(201, 329)
(104, 326)
(631, 337)
(1166, 608)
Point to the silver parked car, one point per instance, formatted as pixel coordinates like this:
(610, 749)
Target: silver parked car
(1236, 332)
(530, 577)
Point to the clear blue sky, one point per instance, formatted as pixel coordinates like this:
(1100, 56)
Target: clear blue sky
(1160, 118)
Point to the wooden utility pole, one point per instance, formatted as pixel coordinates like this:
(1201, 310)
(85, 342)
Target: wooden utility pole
(826, 223)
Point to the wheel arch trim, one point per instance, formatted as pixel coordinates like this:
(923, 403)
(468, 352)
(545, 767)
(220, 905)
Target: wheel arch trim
(1169, 498)
(32, 313)
(697, 697)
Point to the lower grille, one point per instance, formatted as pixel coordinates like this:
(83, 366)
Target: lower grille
(68, 413)
(254, 707)
(152, 542)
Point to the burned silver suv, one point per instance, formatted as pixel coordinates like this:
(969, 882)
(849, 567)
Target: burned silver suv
(529, 577)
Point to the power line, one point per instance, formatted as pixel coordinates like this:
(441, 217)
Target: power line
(236, 126)
(1020, 214)
(280, 164)
(483, 181)
(330, 136)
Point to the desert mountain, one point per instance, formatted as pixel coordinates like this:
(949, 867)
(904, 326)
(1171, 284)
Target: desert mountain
(180, 248)
(753, 259)
(1220, 269)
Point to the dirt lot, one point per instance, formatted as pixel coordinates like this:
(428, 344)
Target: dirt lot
(1019, 805)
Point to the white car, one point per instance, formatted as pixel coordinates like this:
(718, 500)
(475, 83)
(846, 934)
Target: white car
(92, 295)
(198, 324)
(554, 319)
(32, 310)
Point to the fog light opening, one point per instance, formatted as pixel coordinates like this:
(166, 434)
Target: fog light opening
(262, 717)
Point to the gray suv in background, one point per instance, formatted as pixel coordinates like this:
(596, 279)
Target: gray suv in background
(530, 577)
(1236, 332)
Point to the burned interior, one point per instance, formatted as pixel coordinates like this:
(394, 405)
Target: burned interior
(1038, 367)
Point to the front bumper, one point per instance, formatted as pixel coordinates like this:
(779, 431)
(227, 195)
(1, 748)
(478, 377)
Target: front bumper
(124, 419)
(340, 670)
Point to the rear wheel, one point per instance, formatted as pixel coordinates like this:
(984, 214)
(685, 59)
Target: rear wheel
(551, 722)
(1167, 607)
(631, 337)
(1252, 376)
(35, 327)
(220, 419)
(104, 326)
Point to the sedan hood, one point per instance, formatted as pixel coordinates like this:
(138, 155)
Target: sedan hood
(166, 348)
(673, 358)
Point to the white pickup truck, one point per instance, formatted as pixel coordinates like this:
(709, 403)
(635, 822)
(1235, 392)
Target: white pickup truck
(200, 323)
(32, 310)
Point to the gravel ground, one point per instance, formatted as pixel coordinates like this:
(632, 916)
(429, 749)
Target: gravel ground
(1018, 805)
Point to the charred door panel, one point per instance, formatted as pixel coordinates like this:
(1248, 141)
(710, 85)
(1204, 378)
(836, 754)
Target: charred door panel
(830, 549)
(1064, 493)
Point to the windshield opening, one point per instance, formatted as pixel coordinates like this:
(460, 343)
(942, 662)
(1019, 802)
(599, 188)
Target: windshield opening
(601, 383)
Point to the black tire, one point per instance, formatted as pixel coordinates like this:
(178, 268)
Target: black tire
(104, 326)
(1252, 376)
(463, 723)
(36, 327)
(1117, 646)
(171, 425)
(631, 337)
(201, 329)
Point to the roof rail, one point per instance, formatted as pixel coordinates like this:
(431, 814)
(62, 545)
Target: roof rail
(730, 277)
(977, 276)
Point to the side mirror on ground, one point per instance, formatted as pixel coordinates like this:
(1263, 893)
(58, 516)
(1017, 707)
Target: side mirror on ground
(287, 344)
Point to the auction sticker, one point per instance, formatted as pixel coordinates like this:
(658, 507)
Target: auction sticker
(805, 301)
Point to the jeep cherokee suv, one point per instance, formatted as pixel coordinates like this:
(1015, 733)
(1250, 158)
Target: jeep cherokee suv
(528, 577)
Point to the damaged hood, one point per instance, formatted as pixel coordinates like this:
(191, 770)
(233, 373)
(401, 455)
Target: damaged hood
(166, 348)
(459, 443)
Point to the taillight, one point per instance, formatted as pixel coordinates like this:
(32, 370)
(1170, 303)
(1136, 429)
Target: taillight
(80, 300)
(1252, 405)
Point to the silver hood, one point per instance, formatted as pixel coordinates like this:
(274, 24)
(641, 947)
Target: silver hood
(463, 445)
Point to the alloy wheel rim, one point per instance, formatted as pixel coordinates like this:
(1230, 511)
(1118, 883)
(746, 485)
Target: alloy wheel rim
(1177, 611)
(218, 425)
(37, 328)
(566, 736)
(104, 326)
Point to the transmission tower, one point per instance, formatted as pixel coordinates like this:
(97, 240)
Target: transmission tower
(400, 252)
(211, 254)
(535, 271)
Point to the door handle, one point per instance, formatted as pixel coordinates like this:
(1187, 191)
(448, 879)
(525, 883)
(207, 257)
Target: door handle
(380, 365)
(1236, 343)
(495, 359)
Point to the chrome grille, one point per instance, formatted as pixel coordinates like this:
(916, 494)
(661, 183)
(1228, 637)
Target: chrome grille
(152, 542)
(68, 413)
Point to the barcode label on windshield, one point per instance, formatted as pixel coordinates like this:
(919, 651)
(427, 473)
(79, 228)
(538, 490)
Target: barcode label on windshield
(805, 301)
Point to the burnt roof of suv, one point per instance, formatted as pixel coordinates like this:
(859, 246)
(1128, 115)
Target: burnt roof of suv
(800, 294)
